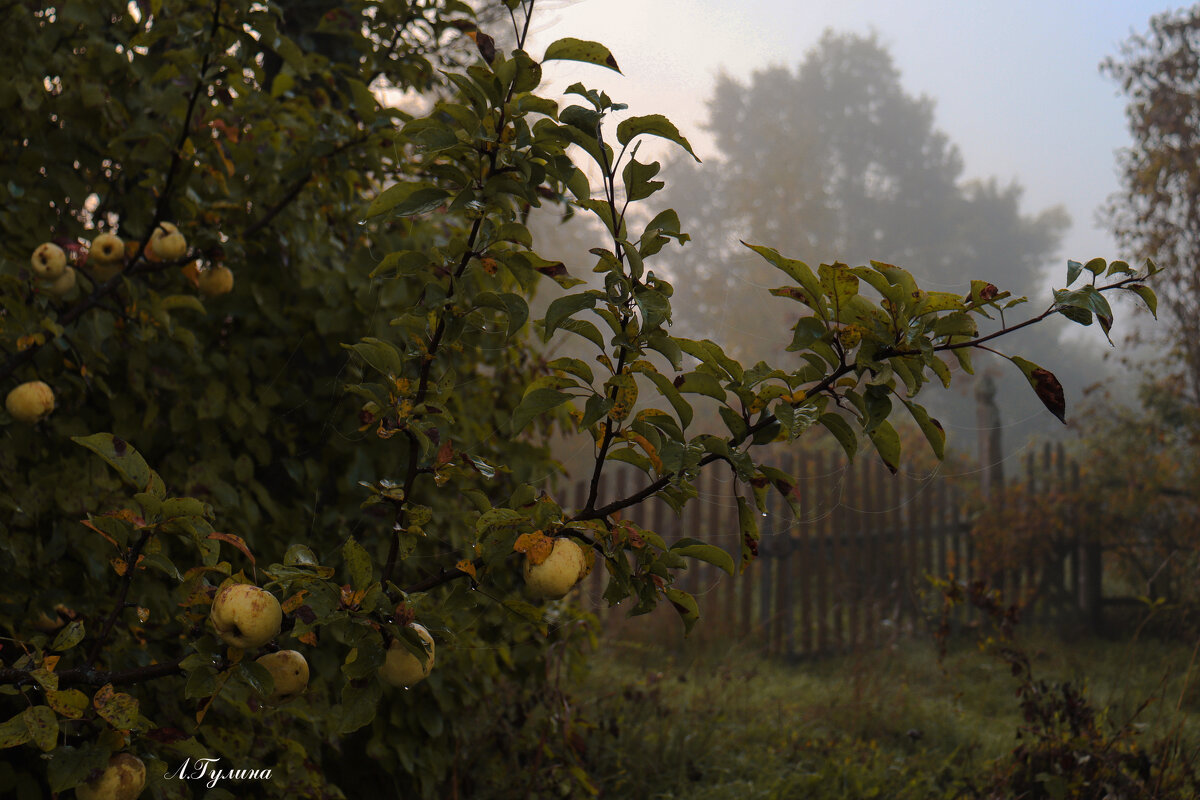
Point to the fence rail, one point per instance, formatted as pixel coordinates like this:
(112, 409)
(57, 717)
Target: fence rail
(850, 571)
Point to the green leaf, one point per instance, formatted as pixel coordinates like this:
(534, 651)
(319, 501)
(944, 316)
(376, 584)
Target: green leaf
(184, 507)
(637, 179)
(796, 270)
(685, 604)
(201, 682)
(69, 703)
(563, 308)
(359, 568)
(1074, 269)
(652, 125)
(570, 49)
(1147, 295)
(120, 710)
(748, 527)
(14, 732)
(930, 427)
(358, 706)
(382, 356)
(43, 726)
(68, 637)
(1096, 266)
(539, 401)
(887, 444)
(121, 456)
(939, 301)
(70, 766)
(694, 548)
(498, 518)
(700, 383)
(581, 327)
(838, 283)
(257, 676)
(683, 409)
(406, 199)
(841, 431)
(574, 366)
(513, 306)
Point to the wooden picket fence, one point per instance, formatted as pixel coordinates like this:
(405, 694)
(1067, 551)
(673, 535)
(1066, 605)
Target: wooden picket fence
(852, 571)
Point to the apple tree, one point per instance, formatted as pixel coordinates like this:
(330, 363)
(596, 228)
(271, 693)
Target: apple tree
(288, 503)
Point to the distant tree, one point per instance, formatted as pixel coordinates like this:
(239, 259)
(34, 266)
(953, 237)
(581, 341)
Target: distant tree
(837, 162)
(1157, 212)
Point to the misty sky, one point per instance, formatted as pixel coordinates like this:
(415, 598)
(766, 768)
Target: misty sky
(1016, 84)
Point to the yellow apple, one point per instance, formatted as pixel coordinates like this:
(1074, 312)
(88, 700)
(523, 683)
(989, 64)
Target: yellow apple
(402, 668)
(49, 261)
(63, 284)
(215, 281)
(123, 779)
(168, 242)
(246, 616)
(107, 248)
(290, 671)
(30, 401)
(561, 570)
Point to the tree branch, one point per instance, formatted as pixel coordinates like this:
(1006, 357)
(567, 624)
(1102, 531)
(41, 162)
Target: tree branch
(86, 676)
(131, 558)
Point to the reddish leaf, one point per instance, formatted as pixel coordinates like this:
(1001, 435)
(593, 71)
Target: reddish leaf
(234, 540)
(1050, 392)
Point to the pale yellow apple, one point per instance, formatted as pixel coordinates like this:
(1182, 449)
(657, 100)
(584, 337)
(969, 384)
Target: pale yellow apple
(30, 401)
(107, 248)
(123, 779)
(402, 668)
(49, 261)
(561, 570)
(290, 671)
(215, 281)
(246, 616)
(168, 242)
(63, 284)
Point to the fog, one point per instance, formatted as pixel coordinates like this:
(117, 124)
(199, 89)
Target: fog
(1014, 89)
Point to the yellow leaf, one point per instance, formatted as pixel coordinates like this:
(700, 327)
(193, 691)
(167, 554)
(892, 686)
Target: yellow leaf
(294, 602)
(536, 546)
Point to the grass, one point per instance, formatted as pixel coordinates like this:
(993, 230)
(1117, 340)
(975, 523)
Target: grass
(721, 722)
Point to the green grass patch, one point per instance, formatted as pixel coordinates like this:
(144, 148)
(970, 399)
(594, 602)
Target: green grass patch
(709, 723)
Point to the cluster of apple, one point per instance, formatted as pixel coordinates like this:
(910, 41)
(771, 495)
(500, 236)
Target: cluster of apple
(246, 617)
(34, 400)
(106, 257)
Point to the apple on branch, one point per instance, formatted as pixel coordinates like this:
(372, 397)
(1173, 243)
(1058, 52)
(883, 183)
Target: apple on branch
(550, 575)
(246, 616)
(49, 261)
(123, 779)
(401, 667)
(215, 281)
(30, 402)
(167, 242)
(289, 670)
